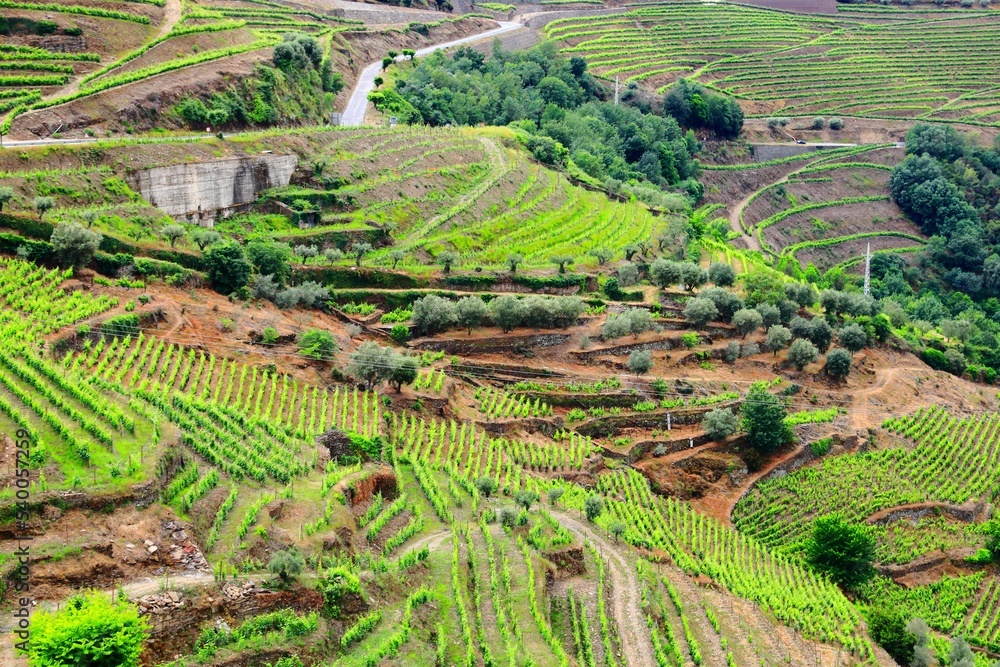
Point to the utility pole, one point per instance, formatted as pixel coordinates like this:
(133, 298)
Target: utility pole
(868, 270)
(616, 91)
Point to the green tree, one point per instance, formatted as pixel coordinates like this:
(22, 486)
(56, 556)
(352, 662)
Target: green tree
(317, 344)
(396, 255)
(172, 233)
(720, 423)
(404, 371)
(747, 321)
(802, 353)
(838, 363)
(43, 205)
(89, 631)
(370, 362)
(487, 486)
(446, 259)
(73, 245)
(471, 312)
(778, 337)
(640, 361)
(271, 258)
(700, 311)
(852, 337)
(227, 267)
(721, 274)
(432, 314)
(359, 250)
(763, 419)
(841, 550)
(665, 272)
(205, 238)
(526, 499)
(593, 506)
(507, 312)
(888, 627)
(562, 261)
(603, 256)
(6, 194)
(286, 564)
(513, 260)
(554, 494)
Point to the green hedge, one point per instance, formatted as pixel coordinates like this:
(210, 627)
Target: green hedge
(33, 227)
(109, 265)
(338, 277)
(568, 280)
(38, 251)
(145, 266)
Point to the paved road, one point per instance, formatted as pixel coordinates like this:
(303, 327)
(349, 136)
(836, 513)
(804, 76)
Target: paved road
(354, 114)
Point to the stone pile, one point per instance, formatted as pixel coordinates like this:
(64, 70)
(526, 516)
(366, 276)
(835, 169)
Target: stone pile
(160, 603)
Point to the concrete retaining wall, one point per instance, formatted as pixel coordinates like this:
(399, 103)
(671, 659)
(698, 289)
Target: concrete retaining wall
(202, 191)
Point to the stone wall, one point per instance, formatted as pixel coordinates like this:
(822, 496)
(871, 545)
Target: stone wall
(199, 192)
(495, 345)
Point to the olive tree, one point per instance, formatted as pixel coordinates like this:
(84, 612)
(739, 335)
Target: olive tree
(720, 423)
(640, 361)
(778, 338)
(700, 311)
(721, 274)
(747, 321)
(838, 363)
(73, 245)
(802, 353)
(432, 314)
(471, 311)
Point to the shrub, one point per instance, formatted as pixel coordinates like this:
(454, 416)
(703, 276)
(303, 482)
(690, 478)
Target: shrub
(640, 361)
(721, 274)
(732, 351)
(286, 564)
(888, 628)
(852, 337)
(802, 353)
(628, 274)
(400, 333)
(317, 344)
(841, 550)
(720, 423)
(432, 314)
(836, 123)
(88, 630)
(818, 123)
(74, 246)
(700, 311)
(593, 506)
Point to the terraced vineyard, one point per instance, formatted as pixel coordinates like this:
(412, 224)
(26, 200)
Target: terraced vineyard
(463, 191)
(799, 65)
(953, 460)
(824, 209)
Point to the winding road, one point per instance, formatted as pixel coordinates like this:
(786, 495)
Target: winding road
(354, 114)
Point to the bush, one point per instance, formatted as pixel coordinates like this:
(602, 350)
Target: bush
(802, 353)
(720, 423)
(119, 326)
(317, 344)
(73, 245)
(732, 351)
(640, 361)
(88, 630)
(836, 123)
(852, 337)
(628, 274)
(818, 123)
(841, 550)
(286, 564)
(700, 311)
(432, 314)
(400, 333)
(838, 363)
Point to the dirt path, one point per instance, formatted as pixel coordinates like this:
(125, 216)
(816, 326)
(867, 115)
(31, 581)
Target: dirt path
(432, 541)
(171, 15)
(626, 601)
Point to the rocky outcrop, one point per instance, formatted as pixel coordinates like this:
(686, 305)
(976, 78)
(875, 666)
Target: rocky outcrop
(200, 192)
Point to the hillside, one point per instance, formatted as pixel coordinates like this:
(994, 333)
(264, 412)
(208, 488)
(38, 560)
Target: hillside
(522, 370)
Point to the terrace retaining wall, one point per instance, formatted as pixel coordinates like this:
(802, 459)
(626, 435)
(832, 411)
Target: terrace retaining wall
(199, 192)
(491, 345)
